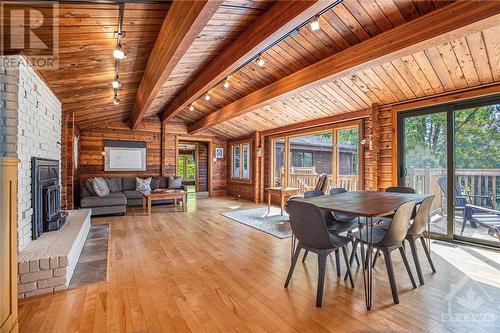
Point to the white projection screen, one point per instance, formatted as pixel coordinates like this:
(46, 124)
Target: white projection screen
(124, 156)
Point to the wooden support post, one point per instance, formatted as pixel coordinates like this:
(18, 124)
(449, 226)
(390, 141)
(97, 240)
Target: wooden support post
(375, 146)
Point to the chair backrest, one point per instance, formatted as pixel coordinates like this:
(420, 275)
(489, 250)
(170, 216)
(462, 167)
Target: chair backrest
(459, 198)
(337, 190)
(322, 184)
(400, 189)
(308, 224)
(422, 217)
(398, 228)
(313, 193)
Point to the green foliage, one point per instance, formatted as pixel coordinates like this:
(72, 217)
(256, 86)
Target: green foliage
(477, 139)
(186, 167)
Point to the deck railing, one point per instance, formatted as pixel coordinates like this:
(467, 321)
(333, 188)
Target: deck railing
(478, 182)
(308, 182)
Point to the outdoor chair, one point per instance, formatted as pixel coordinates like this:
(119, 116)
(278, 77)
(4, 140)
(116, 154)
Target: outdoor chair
(309, 226)
(485, 217)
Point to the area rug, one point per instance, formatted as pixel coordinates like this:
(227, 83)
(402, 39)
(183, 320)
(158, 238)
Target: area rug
(258, 218)
(92, 264)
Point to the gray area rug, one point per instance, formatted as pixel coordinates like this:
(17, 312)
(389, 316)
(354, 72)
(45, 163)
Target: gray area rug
(258, 218)
(93, 261)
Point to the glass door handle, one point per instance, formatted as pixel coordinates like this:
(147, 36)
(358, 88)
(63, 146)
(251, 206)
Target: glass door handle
(403, 172)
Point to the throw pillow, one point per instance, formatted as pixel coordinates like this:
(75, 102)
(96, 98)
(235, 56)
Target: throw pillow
(143, 185)
(174, 182)
(155, 183)
(100, 187)
(114, 184)
(89, 186)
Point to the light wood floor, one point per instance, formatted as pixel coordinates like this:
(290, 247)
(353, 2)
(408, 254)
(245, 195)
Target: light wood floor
(200, 272)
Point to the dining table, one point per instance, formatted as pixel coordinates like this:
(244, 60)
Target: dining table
(367, 206)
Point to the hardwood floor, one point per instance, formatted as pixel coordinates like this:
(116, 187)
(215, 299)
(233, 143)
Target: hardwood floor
(201, 272)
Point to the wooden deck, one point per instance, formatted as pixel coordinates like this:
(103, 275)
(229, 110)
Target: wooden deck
(200, 272)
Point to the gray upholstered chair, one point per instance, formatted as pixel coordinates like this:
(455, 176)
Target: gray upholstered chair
(337, 190)
(309, 226)
(387, 241)
(416, 231)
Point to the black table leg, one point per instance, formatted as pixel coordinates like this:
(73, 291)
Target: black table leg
(367, 271)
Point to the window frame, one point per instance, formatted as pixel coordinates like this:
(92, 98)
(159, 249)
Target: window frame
(334, 128)
(240, 145)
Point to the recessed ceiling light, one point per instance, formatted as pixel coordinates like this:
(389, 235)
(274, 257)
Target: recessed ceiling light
(315, 24)
(260, 62)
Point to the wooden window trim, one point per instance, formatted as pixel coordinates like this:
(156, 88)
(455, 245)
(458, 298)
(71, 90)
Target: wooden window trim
(240, 179)
(359, 123)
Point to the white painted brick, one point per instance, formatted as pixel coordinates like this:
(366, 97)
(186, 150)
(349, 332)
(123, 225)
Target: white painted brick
(44, 263)
(63, 261)
(39, 292)
(26, 287)
(51, 282)
(35, 276)
(60, 271)
(34, 266)
(61, 287)
(54, 262)
(23, 267)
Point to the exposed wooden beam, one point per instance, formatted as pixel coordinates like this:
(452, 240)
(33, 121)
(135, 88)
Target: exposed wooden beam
(183, 23)
(318, 122)
(450, 22)
(281, 18)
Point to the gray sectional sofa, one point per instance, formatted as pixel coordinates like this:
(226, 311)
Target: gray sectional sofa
(122, 194)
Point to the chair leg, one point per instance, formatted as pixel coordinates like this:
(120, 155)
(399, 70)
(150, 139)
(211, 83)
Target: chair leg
(337, 262)
(346, 259)
(354, 254)
(321, 279)
(416, 260)
(292, 265)
(375, 259)
(405, 261)
(427, 253)
(390, 274)
(305, 256)
(463, 227)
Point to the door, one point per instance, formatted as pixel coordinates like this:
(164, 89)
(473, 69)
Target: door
(423, 160)
(453, 152)
(8, 244)
(476, 153)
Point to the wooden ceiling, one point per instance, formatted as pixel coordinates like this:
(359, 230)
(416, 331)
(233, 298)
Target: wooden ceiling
(87, 67)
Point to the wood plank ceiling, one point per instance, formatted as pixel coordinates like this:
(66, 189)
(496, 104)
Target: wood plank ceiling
(86, 64)
(87, 67)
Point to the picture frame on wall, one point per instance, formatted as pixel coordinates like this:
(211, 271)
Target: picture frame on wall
(125, 155)
(219, 153)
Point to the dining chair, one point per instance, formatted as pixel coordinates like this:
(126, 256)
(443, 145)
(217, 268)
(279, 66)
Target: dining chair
(400, 189)
(387, 241)
(416, 231)
(309, 226)
(337, 190)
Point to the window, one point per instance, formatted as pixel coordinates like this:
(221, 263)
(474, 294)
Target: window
(299, 158)
(240, 168)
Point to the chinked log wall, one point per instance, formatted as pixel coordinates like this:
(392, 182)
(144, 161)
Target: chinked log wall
(159, 162)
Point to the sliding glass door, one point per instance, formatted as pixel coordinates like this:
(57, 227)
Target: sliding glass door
(453, 152)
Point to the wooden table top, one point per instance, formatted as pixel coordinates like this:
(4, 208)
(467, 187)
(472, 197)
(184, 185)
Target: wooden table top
(165, 194)
(364, 203)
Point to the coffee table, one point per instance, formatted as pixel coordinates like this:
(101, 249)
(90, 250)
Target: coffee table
(283, 193)
(166, 194)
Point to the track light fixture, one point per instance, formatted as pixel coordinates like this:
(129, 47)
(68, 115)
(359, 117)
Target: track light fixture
(259, 61)
(226, 84)
(207, 97)
(191, 108)
(116, 100)
(315, 24)
(116, 83)
(118, 52)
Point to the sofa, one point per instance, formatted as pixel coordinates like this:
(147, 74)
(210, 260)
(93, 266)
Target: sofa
(122, 194)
